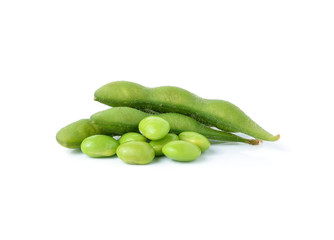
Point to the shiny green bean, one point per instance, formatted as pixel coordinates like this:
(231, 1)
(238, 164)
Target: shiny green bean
(135, 152)
(99, 146)
(154, 127)
(158, 144)
(182, 151)
(198, 139)
(131, 136)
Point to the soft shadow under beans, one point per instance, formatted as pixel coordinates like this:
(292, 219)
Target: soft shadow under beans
(76, 151)
(158, 159)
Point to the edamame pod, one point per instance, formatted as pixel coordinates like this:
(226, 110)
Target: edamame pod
(219, 113)
(73, 134)
(119, 120)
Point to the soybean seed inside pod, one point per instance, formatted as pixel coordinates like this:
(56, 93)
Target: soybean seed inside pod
(219, 113)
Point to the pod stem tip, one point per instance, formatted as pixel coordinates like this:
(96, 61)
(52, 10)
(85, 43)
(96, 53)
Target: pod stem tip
(254, 141)
(277, 137)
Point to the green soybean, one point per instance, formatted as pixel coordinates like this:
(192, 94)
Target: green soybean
(119, 120)
(158, 144)
(154, 127)
(131, 136)
(99, 146)
(72, 135)
(198, 139)
(135, 152)
(219, 113)
(182, 151)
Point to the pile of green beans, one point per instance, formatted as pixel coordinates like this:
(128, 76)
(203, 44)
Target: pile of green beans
(153, 140)
(151, 122)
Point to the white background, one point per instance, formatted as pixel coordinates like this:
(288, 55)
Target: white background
(273, 59)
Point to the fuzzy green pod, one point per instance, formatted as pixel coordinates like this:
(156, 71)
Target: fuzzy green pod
(120, 120)
(219, 113)
(73, 134)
